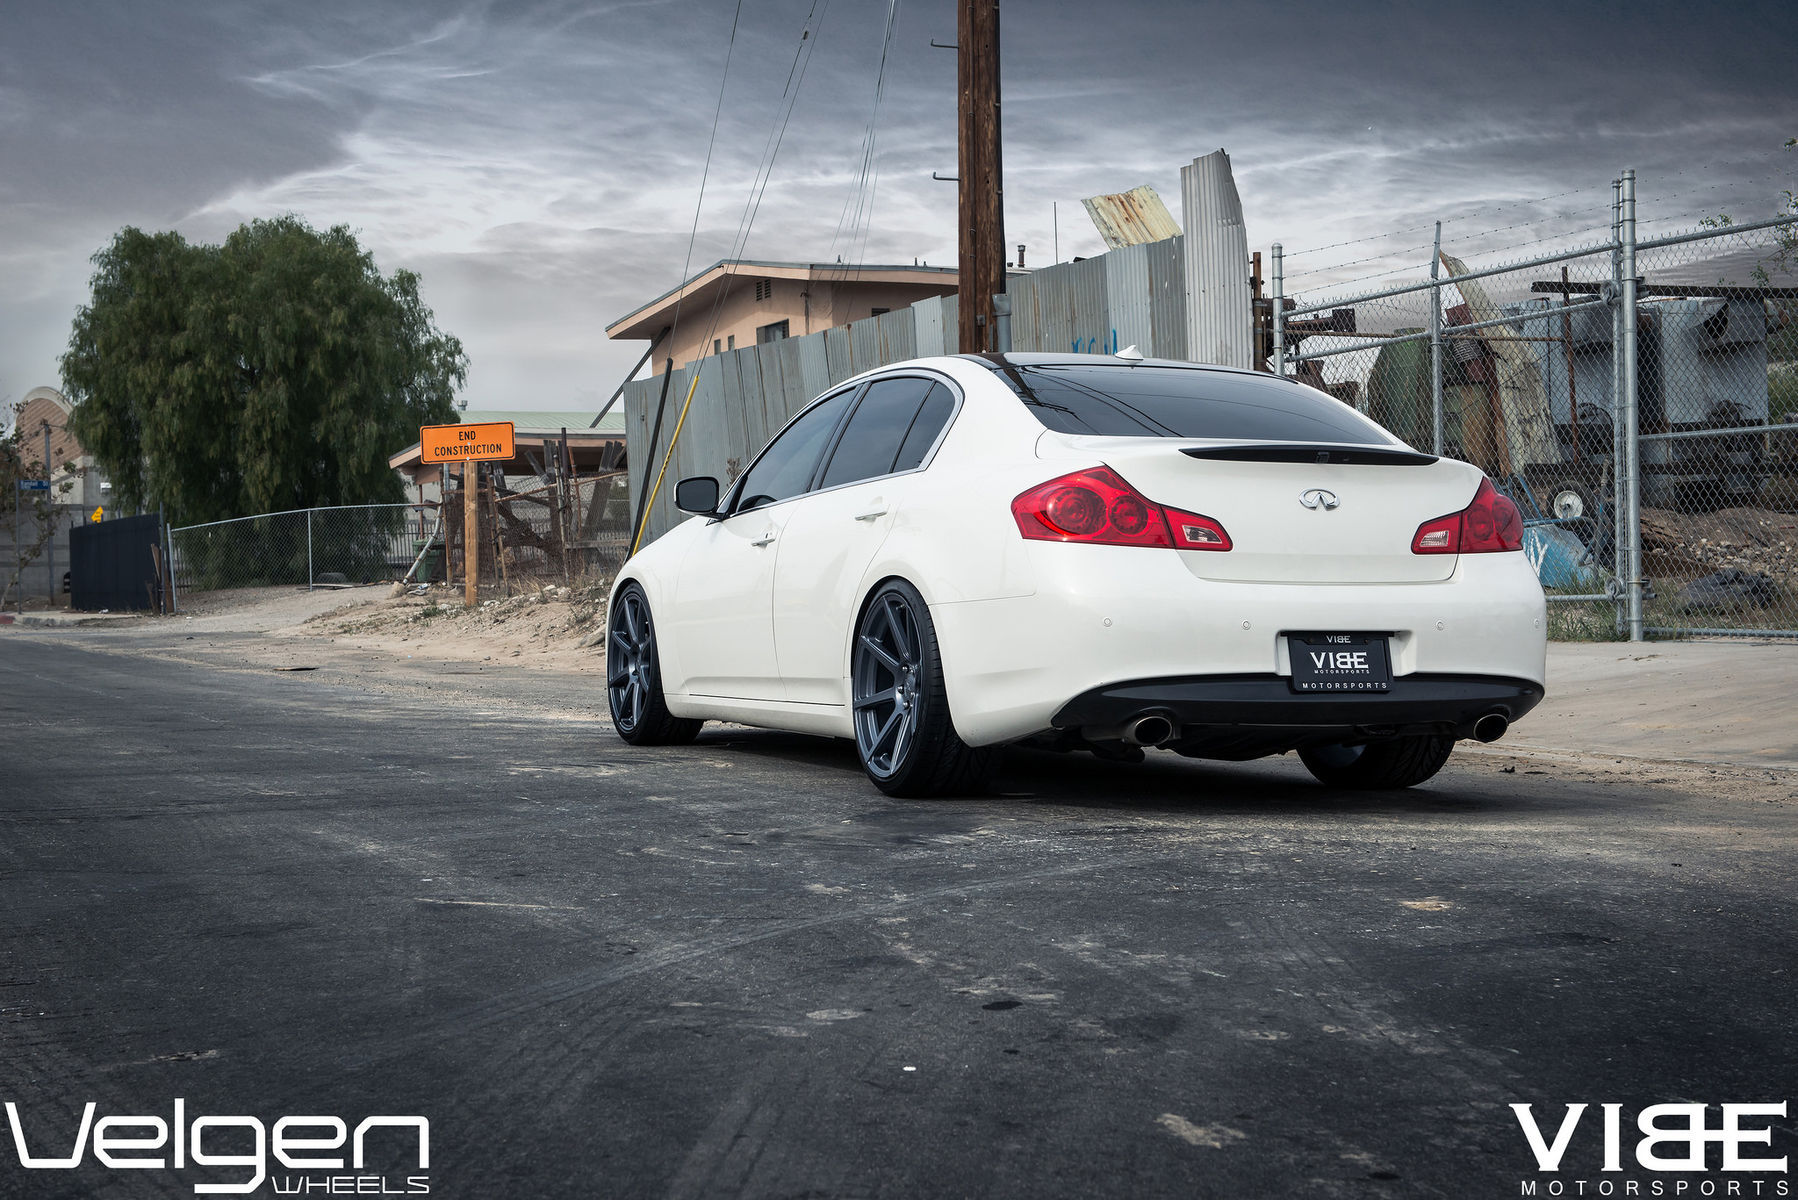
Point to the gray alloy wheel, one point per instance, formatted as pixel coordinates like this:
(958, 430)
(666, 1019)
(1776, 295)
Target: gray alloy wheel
(634, 676)
(903, 732)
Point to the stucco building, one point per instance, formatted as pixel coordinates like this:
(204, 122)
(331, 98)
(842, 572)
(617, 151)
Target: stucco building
(69, 462)
(764, 301)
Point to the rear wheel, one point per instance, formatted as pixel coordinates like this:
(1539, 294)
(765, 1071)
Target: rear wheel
(1396, 763)
(634, 677)
(903, 733)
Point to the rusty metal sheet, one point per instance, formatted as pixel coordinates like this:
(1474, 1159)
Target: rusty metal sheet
(1131, 218)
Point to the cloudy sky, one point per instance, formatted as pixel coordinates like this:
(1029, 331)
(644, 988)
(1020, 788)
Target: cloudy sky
(539, 163)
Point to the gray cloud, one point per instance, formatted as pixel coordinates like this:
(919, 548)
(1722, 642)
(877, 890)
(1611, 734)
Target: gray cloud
(538, 163)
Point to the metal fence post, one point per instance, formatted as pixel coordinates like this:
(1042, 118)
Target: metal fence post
(50, 544)
(1619, 555)
(1632, 446)
(168, 535)
(308, 549)
(1436, 339)
(1279, 297)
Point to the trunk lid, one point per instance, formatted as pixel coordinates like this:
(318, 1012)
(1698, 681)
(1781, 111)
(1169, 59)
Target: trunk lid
(1258, 492)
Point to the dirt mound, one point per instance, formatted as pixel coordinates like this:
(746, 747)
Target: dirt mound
(556, 627)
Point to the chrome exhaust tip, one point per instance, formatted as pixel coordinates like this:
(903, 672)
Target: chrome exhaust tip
(1150, 730)
(1490, 727)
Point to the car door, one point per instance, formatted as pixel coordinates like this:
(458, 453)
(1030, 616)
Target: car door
(723, 595)
(832, 534)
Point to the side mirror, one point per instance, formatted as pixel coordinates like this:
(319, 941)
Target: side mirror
(698, 495)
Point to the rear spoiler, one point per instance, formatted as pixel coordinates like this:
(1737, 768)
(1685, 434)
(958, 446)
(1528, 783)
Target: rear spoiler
(1353, 456)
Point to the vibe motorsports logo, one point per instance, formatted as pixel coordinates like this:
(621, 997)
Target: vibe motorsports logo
(303, 1145)
(1673, 1142)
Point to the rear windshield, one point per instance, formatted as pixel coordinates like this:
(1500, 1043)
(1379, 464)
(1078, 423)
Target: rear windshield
(1115, 401)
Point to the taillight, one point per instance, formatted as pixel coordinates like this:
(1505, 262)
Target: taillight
(1489, 525)
(1097, 506)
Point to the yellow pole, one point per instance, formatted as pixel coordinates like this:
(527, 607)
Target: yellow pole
(643, 518)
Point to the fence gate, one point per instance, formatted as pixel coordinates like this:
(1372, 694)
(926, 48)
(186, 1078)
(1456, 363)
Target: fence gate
(112, 565)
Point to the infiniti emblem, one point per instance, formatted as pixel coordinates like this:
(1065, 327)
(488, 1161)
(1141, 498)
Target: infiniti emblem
(1320, 498)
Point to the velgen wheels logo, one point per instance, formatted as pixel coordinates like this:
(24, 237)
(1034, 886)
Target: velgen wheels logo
(1669, 1139)
(309, 1146)
(1320, 499)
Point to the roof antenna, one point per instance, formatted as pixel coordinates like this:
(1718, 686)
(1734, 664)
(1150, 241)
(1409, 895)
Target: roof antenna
(1129, 354)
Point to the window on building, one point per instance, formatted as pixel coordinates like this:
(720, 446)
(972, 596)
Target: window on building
(764, 289)
(733, 342)
(878, 311)
(717, 346)
(771, 333)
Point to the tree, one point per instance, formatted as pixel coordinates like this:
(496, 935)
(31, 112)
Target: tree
(278, 370)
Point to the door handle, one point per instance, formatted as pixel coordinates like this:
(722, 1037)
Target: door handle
(763, 540)
(869, 516)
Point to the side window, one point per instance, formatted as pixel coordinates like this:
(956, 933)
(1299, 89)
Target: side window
(925, 428)
(785, 468)
(872, 439)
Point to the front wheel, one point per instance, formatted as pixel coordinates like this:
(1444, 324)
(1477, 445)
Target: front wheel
(634, 677)
(903, 733)
(1397, 763)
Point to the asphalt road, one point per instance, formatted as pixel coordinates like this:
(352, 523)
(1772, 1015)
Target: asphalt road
(735, 969)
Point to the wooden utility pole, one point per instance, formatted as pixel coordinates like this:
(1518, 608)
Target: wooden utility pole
(980, 170)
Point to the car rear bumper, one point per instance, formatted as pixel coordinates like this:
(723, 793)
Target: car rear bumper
(1423, 703)
(1105, 617)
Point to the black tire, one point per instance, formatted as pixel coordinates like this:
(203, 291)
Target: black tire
(634, 677)
(1377, 766)
(903, 732)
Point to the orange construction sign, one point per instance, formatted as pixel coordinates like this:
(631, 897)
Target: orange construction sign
(483, 442)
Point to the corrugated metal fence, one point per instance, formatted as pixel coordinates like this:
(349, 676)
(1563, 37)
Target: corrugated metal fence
(1134, 296)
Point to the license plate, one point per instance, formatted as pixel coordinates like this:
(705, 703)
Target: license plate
(1339, 662)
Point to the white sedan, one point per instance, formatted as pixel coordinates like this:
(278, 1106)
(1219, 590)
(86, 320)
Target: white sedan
(1096, 552)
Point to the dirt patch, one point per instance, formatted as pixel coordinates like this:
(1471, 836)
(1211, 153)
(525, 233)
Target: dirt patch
(1749, 539)
(553, 628)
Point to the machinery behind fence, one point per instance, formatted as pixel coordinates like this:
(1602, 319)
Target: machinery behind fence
(1638, 399)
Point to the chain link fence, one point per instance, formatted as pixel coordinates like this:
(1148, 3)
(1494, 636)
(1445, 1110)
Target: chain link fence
(1638, 401)
(562, 532)
(306, 547)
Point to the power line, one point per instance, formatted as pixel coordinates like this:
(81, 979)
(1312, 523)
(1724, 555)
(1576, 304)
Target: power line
(758, 186)
(706, 172)
(861, 196)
